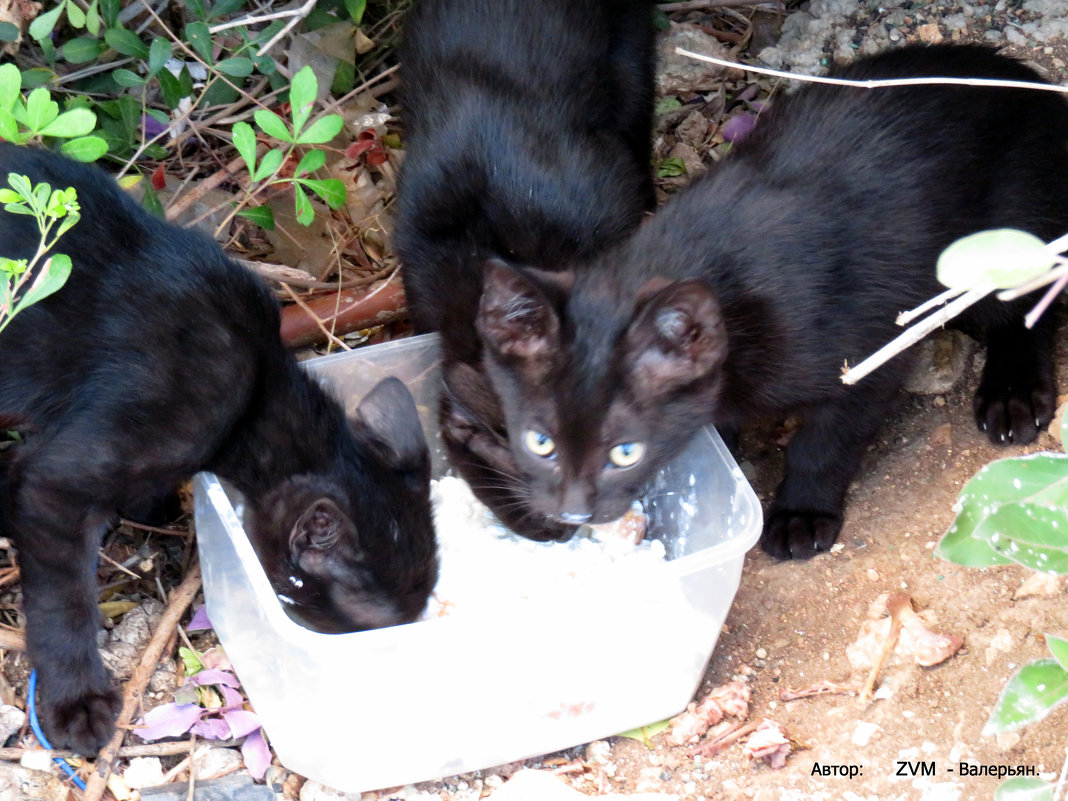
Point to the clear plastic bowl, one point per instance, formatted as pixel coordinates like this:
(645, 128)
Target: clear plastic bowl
(430, 699)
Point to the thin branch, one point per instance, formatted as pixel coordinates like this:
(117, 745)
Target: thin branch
(878, 83)
(914, 334)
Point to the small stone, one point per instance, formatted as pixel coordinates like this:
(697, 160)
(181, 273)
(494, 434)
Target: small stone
(11, 720)
(216, 761)
(143, 772)
(761, 653)
(929, 33)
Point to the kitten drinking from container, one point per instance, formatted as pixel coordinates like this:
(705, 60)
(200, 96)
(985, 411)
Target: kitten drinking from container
(160, 357)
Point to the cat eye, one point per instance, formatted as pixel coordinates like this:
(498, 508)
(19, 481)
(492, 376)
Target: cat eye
(626, 454)
(538, 443)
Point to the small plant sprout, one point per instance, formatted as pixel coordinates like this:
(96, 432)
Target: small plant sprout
(24, 282)
(302, 96)
(973, 267)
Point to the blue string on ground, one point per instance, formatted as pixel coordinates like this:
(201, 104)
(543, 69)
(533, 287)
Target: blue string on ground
(31, 704)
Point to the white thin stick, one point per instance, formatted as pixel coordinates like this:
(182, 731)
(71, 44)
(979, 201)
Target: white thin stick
(878, 83)
(1035, 283)
(252, 19)
(914, 334)
(907, 317)
(1032, 316)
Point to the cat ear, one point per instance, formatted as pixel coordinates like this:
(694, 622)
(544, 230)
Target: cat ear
(389, 416)
(676, 337)
(515, 317)
(319, 528)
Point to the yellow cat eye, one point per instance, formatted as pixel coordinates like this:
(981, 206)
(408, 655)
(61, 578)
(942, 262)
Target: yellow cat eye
(538, 443)
(626, 454)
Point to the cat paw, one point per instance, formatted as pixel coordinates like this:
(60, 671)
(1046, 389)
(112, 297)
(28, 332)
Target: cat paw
(790, 534)
(84, 724)
(1014, 415)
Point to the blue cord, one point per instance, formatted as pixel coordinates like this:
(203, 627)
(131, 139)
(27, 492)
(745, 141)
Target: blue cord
(31, 703)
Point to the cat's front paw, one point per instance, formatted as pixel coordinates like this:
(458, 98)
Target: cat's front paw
(1014, 414)
(790, 534)
(85, 723)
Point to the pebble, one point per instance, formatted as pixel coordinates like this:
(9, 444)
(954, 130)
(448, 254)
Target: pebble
(215, 761)
(11, 720)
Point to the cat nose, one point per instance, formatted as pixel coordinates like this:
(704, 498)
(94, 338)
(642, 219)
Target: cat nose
(575, 518)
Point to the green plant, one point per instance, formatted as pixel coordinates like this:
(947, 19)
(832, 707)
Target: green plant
(37, 116)
(49, 207)
(265, 171)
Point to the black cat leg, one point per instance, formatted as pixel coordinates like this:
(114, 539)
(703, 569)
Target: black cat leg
(821, 460)
(1017, 394)
(57, 542)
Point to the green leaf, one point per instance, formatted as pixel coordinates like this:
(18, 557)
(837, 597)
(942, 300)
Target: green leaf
(666, 104)
(41, 109)
(244, 139)
(302, 94)
(49, 278)
(199, 37)
(313, 160)
(109, 11)
(127, 78)
(1022, 788)
(671, 168)
(9, 129)
(82, 50)
(1038, 479)
(150, 202)
(331, 190)
(235, 67)
(10, 85)
(42, 27)
(9, 196)
(260, 215)
(1028, 696)
(645, 734)
(38, 76)
(1001, 258)
(126, 42)
(75, 16)
(303, 206)
(322, 130)
(1058, 646)
(8, 32)
(85, 148)
(159, 53)
(76, 122)
(191, 659)
(1027, 534)
(270, 162)
(356, 9)
(272, 125)
(170, 88)
(92, 19)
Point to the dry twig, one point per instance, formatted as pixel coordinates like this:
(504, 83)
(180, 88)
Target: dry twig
(135, 687)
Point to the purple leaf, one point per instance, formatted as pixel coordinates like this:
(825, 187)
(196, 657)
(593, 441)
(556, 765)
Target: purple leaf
(216, 658)
(241, 722)
(200, 620)
(215, 676)
(152, 126)
(738, 127)
(168, 720)
(231, 698)
(212, 729)
(256, 754)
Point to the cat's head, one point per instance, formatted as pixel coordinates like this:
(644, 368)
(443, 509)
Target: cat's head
(598, 388)
(352, 547)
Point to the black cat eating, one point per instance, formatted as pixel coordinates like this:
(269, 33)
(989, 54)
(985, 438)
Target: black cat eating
(527, 138)
(159, 358)
(748, 292)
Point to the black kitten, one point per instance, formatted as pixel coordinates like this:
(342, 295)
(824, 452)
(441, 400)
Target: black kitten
(160, 358)
(749, 291)
(527, 138)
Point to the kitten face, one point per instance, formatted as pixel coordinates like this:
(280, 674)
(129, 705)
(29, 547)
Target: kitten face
(353, 547)
(592, 411)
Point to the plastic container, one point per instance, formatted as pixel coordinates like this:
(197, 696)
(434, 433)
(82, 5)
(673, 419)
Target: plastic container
(425, 700)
